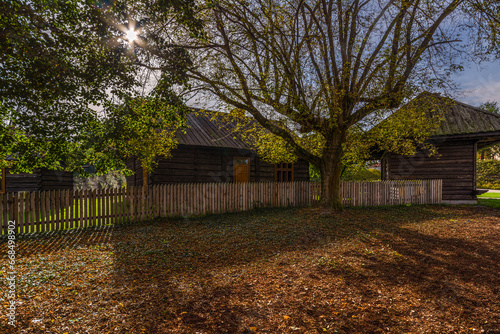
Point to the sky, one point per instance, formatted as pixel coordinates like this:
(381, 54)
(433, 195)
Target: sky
(480, 83)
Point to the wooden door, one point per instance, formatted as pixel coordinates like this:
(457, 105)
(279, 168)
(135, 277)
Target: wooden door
(241, 170)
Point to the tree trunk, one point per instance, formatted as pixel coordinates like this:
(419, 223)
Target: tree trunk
(331, 169)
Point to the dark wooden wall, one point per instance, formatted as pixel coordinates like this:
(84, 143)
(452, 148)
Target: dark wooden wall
(455, 164)
(40, 179)
(22, 181)
(55, 179)
(199, 164)
(134, 180)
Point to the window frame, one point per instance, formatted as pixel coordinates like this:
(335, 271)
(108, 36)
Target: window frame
(279, 168)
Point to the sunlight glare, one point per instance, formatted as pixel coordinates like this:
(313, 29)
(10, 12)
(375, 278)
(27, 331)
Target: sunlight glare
(131, 35)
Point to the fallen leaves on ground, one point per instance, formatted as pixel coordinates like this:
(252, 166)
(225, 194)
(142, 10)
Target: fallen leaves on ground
(424, 269)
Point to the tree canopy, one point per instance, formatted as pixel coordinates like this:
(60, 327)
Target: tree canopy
(68, 73)
(492, 151)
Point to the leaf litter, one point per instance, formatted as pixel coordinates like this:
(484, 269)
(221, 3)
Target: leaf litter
(418, 269)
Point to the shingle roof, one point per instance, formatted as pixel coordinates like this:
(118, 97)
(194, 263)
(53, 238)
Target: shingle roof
(206, 128)
(460, 118)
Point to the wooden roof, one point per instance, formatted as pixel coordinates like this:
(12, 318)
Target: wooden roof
(460, 118)
(209, 128)
(206, 128)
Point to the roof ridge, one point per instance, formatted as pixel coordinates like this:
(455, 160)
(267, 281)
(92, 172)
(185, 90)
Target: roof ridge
(478, 109)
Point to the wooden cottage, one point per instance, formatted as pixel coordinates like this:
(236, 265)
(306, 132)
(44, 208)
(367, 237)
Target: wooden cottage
(40, 179)
(208, 152)
(463, 131)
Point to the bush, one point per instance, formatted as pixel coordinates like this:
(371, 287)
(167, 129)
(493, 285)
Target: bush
(349, 174)
(111, 180)
(364, 174)
(488, 174)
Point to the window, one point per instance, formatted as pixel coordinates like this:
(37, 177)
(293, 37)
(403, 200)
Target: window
(2, 182)
(283, 172)
(241, 169)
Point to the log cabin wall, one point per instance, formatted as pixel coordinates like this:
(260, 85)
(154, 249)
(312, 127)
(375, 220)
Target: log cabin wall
(39, 180)
(200, 164)
(55, 180)
(134, 180)
(454, 164)
(22, 181)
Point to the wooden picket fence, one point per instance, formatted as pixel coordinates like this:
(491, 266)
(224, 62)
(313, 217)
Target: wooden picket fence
(68, 209)
(391, 192)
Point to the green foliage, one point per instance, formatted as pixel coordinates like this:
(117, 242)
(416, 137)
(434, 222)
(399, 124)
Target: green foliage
(270, 147)
(140, 127)
(314, 173)
(349, 173)
(362, 174)
(409, 127)
(60, 60)
(55, 61)
(114, 180)
(492, 151)
(488, 174)
(491, 106)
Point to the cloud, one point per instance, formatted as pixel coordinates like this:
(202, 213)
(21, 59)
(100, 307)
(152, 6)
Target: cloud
(481, 84)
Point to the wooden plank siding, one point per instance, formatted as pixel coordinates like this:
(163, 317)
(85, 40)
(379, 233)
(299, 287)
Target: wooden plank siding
(454, 164)
(66, 209)
(39, 180)
(54, 179)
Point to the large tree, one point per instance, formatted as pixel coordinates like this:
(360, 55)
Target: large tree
(70, 82)
(314, 72)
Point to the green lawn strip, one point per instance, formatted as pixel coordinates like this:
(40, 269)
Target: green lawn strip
(491, 202)
(489, 195)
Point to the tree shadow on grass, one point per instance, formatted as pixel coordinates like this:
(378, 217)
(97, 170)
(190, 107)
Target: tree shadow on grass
(181, 257)
(181, 275)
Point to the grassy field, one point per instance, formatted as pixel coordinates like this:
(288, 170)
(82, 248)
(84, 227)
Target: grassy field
(417, 269)
(489, 199)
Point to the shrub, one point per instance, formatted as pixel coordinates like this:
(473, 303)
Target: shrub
(488, 174)
(349, 174)
(111, 180)
(364, 174)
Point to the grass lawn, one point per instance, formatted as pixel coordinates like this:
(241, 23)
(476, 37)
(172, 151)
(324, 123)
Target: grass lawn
(490, 202)
(489, 195)
(415, 269)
